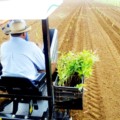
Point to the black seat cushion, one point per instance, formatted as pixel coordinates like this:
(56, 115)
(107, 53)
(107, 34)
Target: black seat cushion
(18, 85)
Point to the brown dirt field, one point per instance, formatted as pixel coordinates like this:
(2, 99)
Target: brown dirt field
(85, 24)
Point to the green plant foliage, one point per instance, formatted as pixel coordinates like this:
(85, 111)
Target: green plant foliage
(80, 62)
(80, 86)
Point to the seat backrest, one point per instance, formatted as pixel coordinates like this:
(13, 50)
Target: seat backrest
(9, 81)
(18, 85)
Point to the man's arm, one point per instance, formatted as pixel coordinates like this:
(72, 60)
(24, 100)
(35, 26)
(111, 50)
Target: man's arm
(40, 60)
(53, 68)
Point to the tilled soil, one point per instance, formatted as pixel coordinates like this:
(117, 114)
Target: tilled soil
(85, 24)
(94, 26)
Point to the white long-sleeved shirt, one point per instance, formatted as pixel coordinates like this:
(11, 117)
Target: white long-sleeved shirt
(21, 58)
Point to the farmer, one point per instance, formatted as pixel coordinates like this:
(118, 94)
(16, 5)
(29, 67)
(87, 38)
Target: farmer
(22, 58)
(5, 26)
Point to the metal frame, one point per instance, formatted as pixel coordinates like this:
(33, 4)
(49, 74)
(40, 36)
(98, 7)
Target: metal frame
(46, 39)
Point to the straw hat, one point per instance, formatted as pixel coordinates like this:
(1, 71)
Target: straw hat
(16, 26)
(19, 26)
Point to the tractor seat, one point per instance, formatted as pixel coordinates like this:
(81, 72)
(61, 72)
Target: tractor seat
(20, 85)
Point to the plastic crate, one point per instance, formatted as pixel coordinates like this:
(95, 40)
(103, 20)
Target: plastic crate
(68, 97)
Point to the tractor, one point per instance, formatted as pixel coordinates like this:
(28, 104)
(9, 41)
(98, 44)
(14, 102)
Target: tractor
(45, 100)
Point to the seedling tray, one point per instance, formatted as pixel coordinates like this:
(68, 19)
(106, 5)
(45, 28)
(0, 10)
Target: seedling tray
(68, 97)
